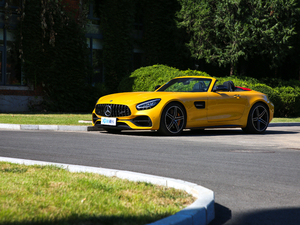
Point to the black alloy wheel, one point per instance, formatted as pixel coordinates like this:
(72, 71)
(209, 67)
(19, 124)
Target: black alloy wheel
(173, 119)
(258, 119)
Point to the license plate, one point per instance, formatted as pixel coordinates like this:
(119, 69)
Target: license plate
(109, 121)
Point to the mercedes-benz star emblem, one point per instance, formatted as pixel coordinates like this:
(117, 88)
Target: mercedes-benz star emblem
(107, 110)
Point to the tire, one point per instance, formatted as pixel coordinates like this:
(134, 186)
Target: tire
(258, 119)
(173, 119)
(112, 131)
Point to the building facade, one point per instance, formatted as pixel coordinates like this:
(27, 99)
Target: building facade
(15, 94)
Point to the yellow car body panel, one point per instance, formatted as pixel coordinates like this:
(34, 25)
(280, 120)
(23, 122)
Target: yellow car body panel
(201, 109)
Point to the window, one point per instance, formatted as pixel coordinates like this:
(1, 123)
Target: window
(95, 45)
(10, 66)
(10, 63)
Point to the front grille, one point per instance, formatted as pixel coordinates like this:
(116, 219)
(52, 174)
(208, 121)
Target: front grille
(112, 110)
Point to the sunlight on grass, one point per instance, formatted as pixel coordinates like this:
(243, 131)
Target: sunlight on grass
(46, 119)
(51, 195)
(286, 120)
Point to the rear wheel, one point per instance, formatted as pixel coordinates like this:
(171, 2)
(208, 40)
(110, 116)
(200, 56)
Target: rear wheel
(258, 119)
(173, 119)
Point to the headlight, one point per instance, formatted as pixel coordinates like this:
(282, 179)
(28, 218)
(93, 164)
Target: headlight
(148, 104)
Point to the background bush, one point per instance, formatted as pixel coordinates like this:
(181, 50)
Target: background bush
(146, 78)
(285, 95)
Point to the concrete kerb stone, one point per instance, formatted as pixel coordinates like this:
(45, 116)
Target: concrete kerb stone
(201, 212)
(10, 126)
(283, 124)
(48, 127)
(72, 128)
(29, 127)
(86, 128)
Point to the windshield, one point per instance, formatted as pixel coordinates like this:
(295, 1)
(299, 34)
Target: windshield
(186, 85)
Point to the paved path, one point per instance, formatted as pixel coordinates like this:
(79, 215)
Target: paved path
(256, 178)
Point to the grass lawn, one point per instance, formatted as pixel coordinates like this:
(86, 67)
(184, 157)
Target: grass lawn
(52, 195)
(46, 119)
(72, 119)
(286, 120)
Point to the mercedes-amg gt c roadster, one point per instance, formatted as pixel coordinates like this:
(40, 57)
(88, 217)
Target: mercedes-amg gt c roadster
(191, 102)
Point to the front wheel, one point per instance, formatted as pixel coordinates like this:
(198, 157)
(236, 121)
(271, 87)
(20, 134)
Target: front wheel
(173, 119)
(258, 119)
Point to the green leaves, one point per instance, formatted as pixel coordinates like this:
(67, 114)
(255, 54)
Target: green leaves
(116, 21)
(55, 57)
(223, 32)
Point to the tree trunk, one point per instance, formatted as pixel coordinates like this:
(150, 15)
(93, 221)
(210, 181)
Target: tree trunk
(243, 68)
(231, 69)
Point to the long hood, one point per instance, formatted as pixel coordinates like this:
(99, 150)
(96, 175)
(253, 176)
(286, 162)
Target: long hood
(129, 98)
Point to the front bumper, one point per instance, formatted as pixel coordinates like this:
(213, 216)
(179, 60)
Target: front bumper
(139, 122)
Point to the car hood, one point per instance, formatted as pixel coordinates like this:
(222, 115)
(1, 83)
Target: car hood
(134, 97)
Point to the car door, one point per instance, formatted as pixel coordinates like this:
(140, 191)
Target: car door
(225, 106)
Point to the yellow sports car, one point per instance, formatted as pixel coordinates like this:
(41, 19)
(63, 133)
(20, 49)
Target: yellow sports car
(191, 102)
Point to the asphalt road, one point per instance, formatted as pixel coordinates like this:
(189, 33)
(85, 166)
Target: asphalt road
(256, 178)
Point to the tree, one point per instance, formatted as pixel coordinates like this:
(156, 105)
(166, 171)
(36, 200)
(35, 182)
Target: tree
(54, 55)
(223, 32)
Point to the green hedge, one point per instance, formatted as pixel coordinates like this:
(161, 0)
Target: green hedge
(285, 96)
(147, 78)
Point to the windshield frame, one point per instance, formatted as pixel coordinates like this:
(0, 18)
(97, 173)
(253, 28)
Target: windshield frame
(186, 81)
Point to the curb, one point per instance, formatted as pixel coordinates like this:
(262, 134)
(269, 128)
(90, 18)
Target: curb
(87, 128)
(201, 212)
(48, 127)
(283, 124)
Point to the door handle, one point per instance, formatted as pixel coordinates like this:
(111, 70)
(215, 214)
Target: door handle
(237, 96)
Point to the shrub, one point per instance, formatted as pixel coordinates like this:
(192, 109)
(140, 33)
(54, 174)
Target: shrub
(146, 78)
(190, 72)
(289, 101)
(274, 82)
(239, 81)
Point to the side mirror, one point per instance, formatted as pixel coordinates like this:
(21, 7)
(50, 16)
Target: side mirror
(220, 88)
(156, 87)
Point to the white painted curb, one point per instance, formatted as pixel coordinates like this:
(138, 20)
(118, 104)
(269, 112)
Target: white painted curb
(86, 128)
(283, 124)
(201, 212)
(48, 127)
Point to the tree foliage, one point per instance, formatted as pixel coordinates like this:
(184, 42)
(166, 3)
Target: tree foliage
(116, 23)
(223, 32)
(162, 42)
(55, 55)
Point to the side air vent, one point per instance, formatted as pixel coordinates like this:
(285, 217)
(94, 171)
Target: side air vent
(200, 104)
